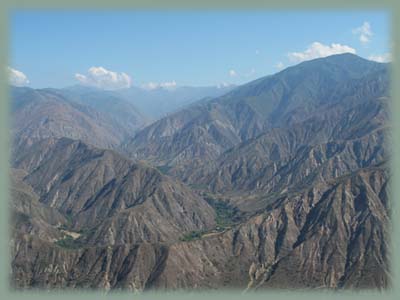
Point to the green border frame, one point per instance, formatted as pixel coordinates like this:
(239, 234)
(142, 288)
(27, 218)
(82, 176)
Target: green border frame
(6, 6)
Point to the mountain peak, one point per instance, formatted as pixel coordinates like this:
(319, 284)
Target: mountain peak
(344, 58)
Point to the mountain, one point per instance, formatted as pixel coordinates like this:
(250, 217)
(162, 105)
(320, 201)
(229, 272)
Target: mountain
(158, 102)
(205, 130)
(114, 198)
(30, 215)
(94, 117)
(280, 183)
(327, 145)
(121, 111)
(74, 201)
(333, 235)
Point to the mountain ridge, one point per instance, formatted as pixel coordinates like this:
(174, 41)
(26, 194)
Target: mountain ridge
(280, 183)
(223, 122)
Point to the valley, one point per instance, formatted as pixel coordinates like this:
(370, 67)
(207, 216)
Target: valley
(282, 182)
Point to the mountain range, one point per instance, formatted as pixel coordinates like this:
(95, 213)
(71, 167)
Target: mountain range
(278, 183)
(161, 101)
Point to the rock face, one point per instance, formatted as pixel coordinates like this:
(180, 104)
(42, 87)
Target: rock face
(280, 183)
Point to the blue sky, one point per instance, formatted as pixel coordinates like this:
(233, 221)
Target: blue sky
(183, 47)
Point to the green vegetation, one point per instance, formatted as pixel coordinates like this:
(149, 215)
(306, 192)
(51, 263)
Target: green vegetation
(87, 231)
(73, 243)
(198, 186)
(164, 169)
(226, 214)
(69, 243)
(69, 217)
(191, 236)
(63, 227)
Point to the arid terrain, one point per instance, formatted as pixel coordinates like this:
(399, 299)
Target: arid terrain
(278, 183)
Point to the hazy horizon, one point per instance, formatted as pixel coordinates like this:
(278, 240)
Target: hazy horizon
(116, 50)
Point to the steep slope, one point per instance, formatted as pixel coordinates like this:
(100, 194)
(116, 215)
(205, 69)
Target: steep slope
(205, 130)
(287, 188)
(29, 216)
(331, 235)
(40, 264)
(330, 143)
(124, 115)
(111, 197)
(47, 113)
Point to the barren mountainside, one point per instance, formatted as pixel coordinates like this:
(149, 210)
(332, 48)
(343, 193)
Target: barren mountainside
(280, 183)
(51, 113)
(207, 129)
(332, 235)
(116, 199)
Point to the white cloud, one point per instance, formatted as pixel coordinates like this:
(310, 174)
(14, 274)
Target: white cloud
(104, 79)
(155, 85)
(17, 78)
(364, 33)
(316, 50)
(383, 58)
(279, 65)
(232, 73)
